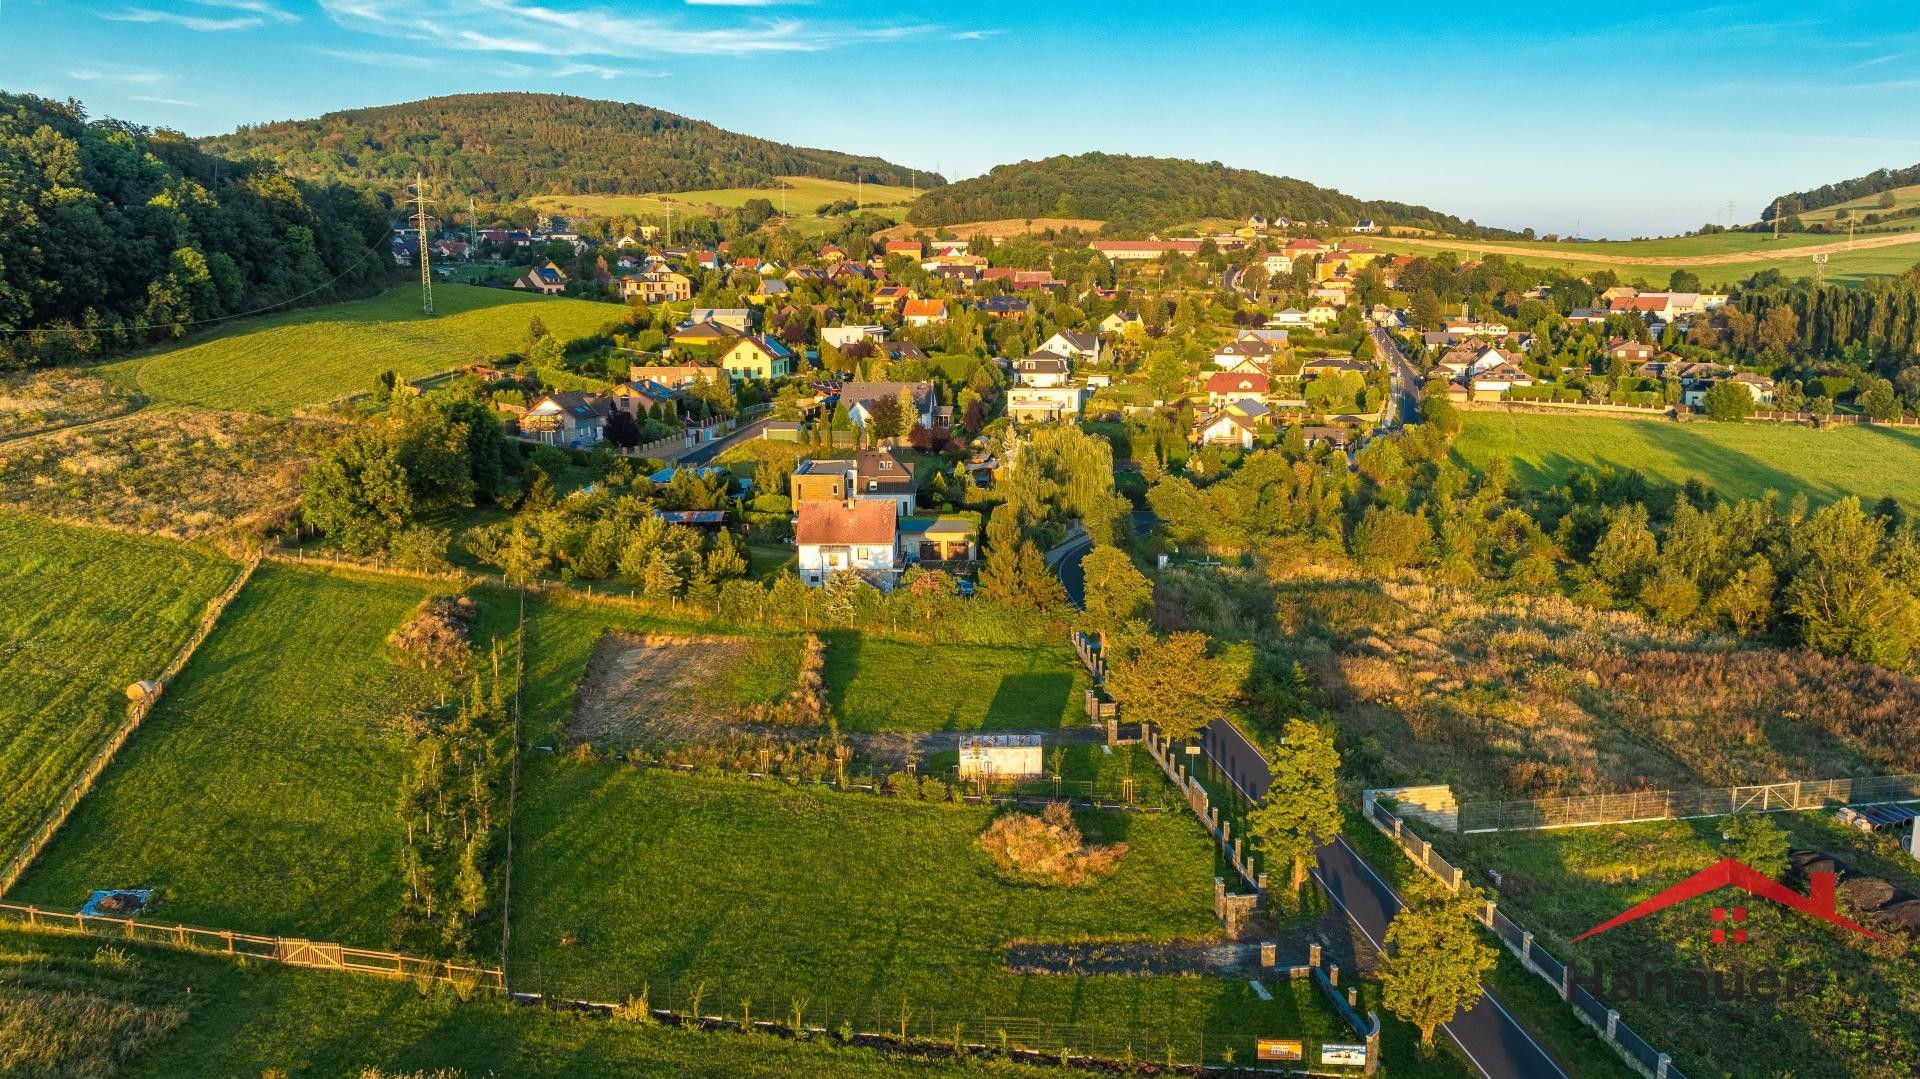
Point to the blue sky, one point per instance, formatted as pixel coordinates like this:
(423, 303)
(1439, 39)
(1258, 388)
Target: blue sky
(1543, 115)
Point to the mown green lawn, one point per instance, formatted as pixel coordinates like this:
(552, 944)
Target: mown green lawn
(1739, 460)
(85, 1006)
(876, 684)
(83, 614)
(260, 794)
(626, 879)
(283, 362)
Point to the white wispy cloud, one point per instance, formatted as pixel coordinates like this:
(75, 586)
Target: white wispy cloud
(136, 76)
(370, 58)
(191, 22)
(975, 35)
(598, 71)
(255, 7)
(740, 3)
(164, 101)
(503, 26)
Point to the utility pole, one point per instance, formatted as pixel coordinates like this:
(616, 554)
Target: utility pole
(426, 271)
(1819, 269)
(473, 230)
(1849, 233)
(1776, 219)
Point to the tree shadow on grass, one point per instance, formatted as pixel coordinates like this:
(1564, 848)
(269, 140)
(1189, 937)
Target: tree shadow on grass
(1030, 700)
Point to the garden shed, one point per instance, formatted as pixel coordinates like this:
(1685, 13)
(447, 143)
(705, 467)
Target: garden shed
(1000, 755)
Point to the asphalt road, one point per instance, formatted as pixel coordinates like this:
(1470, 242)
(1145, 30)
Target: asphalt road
(1491, 1038)
(1406, 381)
(702, 454)
(1074, 576)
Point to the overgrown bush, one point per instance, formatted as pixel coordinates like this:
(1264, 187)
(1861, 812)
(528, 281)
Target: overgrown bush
(1047, 850)
(438, 633)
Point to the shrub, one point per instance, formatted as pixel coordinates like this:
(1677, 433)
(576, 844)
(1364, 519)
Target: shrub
(1047, 850)
(437, 633)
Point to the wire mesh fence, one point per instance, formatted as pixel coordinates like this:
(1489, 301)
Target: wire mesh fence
(1580, 810)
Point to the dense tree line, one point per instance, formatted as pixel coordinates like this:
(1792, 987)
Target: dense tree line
(114, 236)
(512, 146)
(1140, 192)
(1843, 191)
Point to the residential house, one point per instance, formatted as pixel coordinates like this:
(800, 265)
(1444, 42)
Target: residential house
(873, 474)
(902, 350)
(657, 286)
(549, 280)
(1291, 318)
(842, 336)
(676, 376)
(1497, 379)
(1225, 427)
(572, 418)
(859, 398)
(1226, 387)
(1003, 307)
(1118, 322)
(1316, 366)
(856, 536)
(908, 248)
(1244, 351)
(705, 335)
(890, 298)
(1621, 348)
(1042, 369)
(756, 357)
(737, 319)
(1084, 347)
(644, 397)
(1321, 315)
(1144, 250)
(943, 539)
(924, 312)
(1045, 404)
(1365, 225)
(1337, 437)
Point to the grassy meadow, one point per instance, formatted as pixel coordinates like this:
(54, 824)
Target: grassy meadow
(1558, 884)
(284, 362)
(80, 1006)
(83, 614)
(1739, 460)
(876, 684)
(1738, 255)
(260, 794)
(804, 195)
(1904, 198)
(849, 902)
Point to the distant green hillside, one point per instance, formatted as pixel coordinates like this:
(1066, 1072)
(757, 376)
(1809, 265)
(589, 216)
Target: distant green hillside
(1873, 183)
(1159, 191)
(512, 146)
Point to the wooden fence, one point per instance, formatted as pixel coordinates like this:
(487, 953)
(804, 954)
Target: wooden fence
(137, 712)
(324, 955)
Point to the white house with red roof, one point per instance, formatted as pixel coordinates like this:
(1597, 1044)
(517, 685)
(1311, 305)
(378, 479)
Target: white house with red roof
(854, 536)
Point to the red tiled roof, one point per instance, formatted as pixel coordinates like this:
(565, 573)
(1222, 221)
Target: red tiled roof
(925, 308)
(867, 520)
(1228, 382)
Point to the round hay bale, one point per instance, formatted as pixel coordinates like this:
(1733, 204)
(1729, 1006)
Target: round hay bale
(143, 690)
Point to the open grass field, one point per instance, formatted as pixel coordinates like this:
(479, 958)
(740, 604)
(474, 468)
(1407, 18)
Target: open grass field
(1558, 884)
(849, 902)
(645, 687)
(280, 363)
(1739, 460)
(803, 194)
(81, 1006)
(260, 794)
(883, 685)
(1721, 259)
(83, 614)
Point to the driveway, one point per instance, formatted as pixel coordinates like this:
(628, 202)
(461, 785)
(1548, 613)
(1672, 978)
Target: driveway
(700, 455)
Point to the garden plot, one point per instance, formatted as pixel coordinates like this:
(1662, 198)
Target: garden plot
(658, 688)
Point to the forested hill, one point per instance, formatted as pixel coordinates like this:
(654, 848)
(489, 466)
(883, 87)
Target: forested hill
(511, 146)
(1157, 192)
(112, 236)
(1834, 194)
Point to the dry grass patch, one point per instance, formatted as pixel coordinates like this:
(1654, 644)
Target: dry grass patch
(438, 633)
(176, 472)
(1047, 850)
(52, 397)
(664, 689)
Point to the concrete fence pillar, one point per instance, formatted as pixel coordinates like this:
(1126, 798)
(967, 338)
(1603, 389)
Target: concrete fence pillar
(1526, 948)
(1269, 953)
(1660, 1072)
(1486, 916)
(1333, 974)
(1566, 982)
(1313, 955)
(1613, 1022)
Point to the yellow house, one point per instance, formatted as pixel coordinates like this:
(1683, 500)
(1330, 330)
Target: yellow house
(757, 358)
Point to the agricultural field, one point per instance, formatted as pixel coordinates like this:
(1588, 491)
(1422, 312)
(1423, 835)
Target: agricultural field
(72, 1006)
(172, 471)
(83, 614)
(1721, 259)
(1740, 460)
(260, 793)
(45, 398)
(279, 364)
(1854, 1004)
(804, 195)
(875, 684)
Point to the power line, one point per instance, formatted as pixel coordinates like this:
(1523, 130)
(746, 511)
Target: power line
(426, 272)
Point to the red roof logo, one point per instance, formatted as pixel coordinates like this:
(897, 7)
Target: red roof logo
(1731, 872)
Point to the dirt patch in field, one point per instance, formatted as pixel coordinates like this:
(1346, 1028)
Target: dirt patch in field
(1331, 931)
(659, 688)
